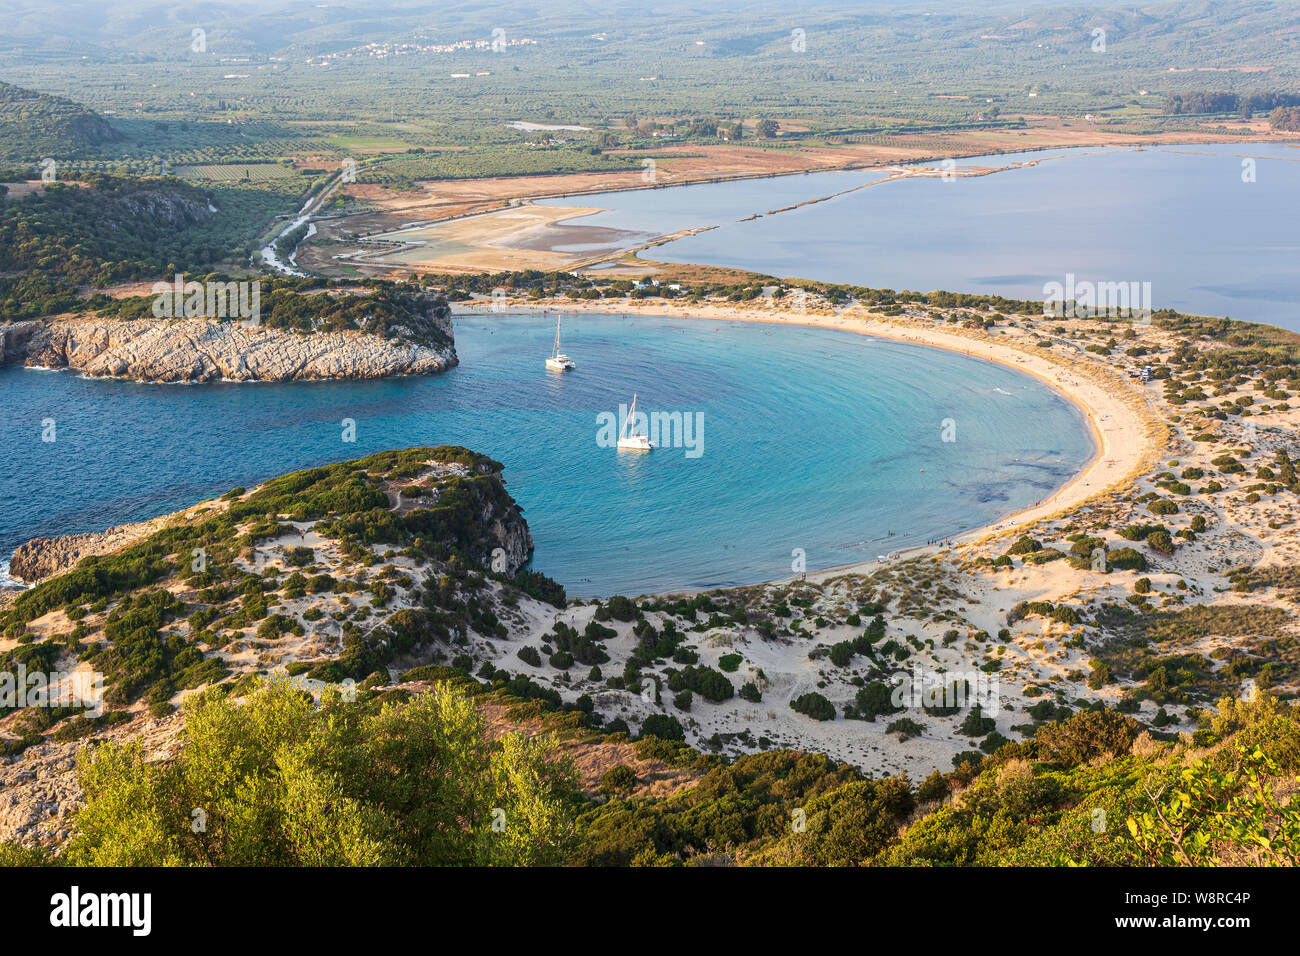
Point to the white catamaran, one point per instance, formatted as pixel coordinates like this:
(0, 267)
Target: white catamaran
(629, 440)
(558, 360)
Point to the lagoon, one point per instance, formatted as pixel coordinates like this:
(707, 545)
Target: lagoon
(1213, 233)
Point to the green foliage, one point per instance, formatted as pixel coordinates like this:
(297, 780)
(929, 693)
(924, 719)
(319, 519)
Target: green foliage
(618, 781)
(622, 609)
(278, 783)
(34, 125)
(906, 728)
(1086, 735)
(733, 811)
(848, 826)
(813, 705)
(663, 726)
(1126, 559)
(111, 229)
(873, 700)
(1214, 817)
(705, 681)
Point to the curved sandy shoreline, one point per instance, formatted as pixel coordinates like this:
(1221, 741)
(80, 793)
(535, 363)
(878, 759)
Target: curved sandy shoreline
(1127, 434)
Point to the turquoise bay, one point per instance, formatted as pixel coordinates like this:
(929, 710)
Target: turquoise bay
(818, 440)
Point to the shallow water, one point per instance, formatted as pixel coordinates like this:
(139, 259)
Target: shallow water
(813, 439)
(1180, 218)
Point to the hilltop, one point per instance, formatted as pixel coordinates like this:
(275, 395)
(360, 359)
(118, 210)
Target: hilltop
(36, 125)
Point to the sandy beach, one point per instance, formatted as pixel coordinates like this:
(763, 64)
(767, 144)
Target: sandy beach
(1126, 431)
(950, 601)
(1129, 438)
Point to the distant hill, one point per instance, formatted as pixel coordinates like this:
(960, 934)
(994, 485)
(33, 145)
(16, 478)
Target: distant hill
(35, 125)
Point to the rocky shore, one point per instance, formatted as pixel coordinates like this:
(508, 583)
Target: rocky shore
(42, 558)
(208, 350)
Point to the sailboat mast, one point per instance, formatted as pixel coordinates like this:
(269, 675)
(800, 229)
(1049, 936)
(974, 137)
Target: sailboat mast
(557, 335)
(630, 424)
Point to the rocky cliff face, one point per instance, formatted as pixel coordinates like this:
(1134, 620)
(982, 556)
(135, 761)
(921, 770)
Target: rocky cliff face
(14, 337)
(207, 350)
(505, 527)
(41, 558)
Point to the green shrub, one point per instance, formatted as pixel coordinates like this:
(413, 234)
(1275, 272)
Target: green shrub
(813, 705)
(622, 608)
(1161, 542)
(873, 699)
(1025, 545)
(976, 724)
(1127, 559)
(1088, 734)
(663, 726)
(286, 784)
(906, 728)
(618, 781)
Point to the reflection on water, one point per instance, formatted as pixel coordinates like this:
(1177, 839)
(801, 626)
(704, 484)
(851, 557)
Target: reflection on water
(1182, 219)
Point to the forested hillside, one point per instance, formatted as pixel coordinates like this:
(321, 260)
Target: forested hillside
(38, 124)
(107, 228)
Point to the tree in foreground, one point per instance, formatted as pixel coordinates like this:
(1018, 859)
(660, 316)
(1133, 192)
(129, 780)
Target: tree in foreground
(276, 780)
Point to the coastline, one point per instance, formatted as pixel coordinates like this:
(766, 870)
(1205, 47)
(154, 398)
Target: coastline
(484, 245)
(940, 595)
(1124, 427)
(206, 351)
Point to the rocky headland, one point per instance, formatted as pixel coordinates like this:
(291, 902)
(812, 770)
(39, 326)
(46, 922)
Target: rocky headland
(211, 350)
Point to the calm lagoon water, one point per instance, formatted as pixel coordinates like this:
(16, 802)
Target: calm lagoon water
(813, 439)
(1179, 217)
